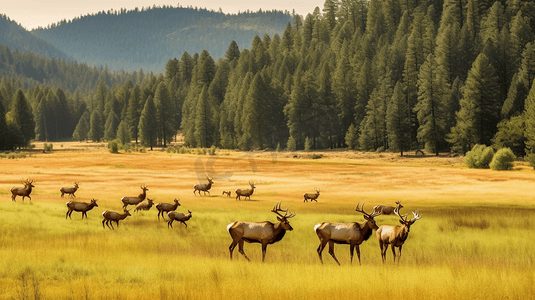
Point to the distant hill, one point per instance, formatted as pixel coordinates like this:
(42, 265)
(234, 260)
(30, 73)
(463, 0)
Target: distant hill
(16, 37)
(148, 38)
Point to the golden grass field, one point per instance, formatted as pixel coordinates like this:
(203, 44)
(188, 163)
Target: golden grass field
(475, 240)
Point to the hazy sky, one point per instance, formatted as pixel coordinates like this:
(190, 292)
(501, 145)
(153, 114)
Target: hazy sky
(33, 13)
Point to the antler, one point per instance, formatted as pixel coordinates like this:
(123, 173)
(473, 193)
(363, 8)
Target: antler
(416, 216)
(396, 212)
(277, 208)
(372, 215)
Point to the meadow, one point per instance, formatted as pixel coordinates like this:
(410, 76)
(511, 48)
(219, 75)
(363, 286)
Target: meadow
(475, 239)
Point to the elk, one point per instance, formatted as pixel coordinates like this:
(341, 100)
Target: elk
(69, 190)
(311, 196)
(395, 235)
(22, 191)
(346, 233)
(204, 187)
(111, 216)
(135, 200)
(245, 192)
(265, 233)
(388, 210)
(166, 207)
(180, 217)
(144, 205)
(80, 206)
(226, 193)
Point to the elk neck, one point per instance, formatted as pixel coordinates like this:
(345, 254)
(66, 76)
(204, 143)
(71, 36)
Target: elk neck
(278, 231)
(366, 230)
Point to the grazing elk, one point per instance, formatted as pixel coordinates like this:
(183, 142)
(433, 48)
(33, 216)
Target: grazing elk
(111, 216)
(22, 191)
(265, 233)
(135, 200)
(395, 235)
(311, 197)
(387, 210)
(180, 217)
(166, 207)
(226, 193)
(144, 205)
(80, 206)
(69, 190)
(352, 234)
(245, 192)
(203, 187)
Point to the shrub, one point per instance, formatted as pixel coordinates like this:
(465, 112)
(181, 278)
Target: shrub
(48, 147)
(479, 157)
(113, 146)
(503, 160)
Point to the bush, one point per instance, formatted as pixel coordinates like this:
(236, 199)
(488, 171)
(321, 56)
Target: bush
(503, 160)
(479, 157)
(113, 146)
(48, 147)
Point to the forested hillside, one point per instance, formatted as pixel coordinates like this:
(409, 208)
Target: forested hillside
(377, 75)
(147, 38)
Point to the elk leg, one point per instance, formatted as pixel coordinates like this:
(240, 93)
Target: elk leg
(394, 252)
(384, 247)
(103, 223)
(66, 215)
(358, 253)
(184, 223)
(399, 253)
(240, 249)
(264, 247)
(351, 249)
(320, 249)
(331, 251)
(231, 248)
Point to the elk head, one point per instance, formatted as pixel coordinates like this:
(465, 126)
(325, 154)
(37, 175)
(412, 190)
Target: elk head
(369, 217)
(251, 183)
(317, 190)
(144, 188)
(283, 219)
(28, 183)
(403, 219)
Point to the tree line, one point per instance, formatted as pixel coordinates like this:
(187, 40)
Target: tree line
(377, 75)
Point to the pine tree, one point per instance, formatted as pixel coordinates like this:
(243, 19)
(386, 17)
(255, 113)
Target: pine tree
(82, 128)
(96, 130)
(397, 122)
(123, 133)
(110, 127)
(21, 116)
(204, 129)
(148, 125)
(134, 112)
(529, 133)
(233, 52)
(165, 113)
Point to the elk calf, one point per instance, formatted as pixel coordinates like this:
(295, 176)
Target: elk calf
(180, 217)
(395, 235)
(166, 207)
(226, 193)
(111, 216)
(245, 192)
(311, 197)
(135, 200)
(204, 187)
(387, 210)
(80, 206)
(69, 190)
(144, 205)
(22, 191)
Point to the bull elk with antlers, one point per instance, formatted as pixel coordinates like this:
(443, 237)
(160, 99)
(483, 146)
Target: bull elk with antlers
(135, 200)
(312, 196)
(166, 207)
(245, 192)
(203, 187)
(80, 206)
(22, 191)
(395, 235)
(265, 233)
(387, 210)
(111, 216)
(352, 234)
(69, 190)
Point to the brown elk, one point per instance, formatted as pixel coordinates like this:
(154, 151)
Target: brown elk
(387, 210)
(111, 216)
(245, 192)
(203, 187)
(226, 193)
(346, 233)
(180, 217)
(166, 207)
(80, 206)
(144, 205)
(265, 233)
(69, 190)
(395, 235)
(135, 200)
(311, 196)
(22, 191)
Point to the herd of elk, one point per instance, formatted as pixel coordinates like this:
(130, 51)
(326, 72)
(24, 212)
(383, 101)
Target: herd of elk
(395, 235)
(22, 191)
(69, 190)
(312, 196)
(180, 217)
(265, 233)
(245, 192)
(80, 206)
(346, 233)
(135, 200)
(166, 208)
(203, 187)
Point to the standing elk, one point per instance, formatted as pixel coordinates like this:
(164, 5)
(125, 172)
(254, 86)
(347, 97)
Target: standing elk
(69, 190)
(144, 205)
(166, 207)
(80, 206)
(111, 216)
(226, 193)
(387, 210)
(180, 217)
(135, 200)
(346, 233)
(395, 235)
(245, 192)
(311, 196)
(265, 233)
(203, 187)
(22, 191)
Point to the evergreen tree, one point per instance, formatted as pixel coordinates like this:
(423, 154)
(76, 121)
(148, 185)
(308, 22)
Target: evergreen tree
(96, 130)
(123, 133)
(82, 128)
(110, 127)
(134, 112)
(397, 122)
(148, 124)
(21, 116)
(233, 51)
(165, 113)
(204, 124)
